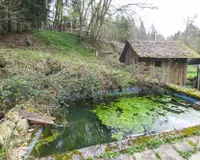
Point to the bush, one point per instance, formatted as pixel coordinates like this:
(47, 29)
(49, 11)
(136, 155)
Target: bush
(14, 90)
(63, 85)
(4, 32)
(19, 89)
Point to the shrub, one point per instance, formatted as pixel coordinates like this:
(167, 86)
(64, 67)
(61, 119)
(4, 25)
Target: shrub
(18, 89)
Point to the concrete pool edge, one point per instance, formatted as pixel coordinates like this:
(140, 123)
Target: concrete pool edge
(122, 146)
(195, 103)
(97, 148)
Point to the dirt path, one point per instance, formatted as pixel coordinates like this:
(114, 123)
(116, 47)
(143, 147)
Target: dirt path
(14, 39)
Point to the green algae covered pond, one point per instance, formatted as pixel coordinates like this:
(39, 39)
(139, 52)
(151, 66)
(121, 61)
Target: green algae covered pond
(91, 124)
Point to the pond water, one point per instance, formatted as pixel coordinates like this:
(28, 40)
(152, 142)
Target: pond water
(97, 124)
(83, 129)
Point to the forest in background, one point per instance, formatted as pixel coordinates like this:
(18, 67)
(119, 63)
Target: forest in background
(190, 36)
(98, 18)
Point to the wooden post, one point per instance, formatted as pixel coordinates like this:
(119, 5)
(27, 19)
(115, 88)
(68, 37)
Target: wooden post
(184, 72)
(71, 27)
(198, 77)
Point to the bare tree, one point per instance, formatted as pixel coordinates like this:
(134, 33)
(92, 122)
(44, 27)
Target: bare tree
(189, 29)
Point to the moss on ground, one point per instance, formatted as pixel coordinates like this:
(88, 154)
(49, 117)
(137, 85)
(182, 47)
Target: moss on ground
(142, 143)
(188, 91)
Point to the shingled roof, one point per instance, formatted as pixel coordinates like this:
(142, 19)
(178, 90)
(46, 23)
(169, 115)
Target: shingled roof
(163, 49)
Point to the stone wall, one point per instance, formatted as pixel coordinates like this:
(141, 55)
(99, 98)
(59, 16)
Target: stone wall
(13, 129)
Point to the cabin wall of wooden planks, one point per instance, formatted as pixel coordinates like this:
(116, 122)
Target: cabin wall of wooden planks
(173, 70)
(176, 70)
(130, 56)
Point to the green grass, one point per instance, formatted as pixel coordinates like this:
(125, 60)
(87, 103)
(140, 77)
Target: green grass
(191, 71)
(158, 156)
(136, 148)
(69, 42)
(155, 143)
(187, 154)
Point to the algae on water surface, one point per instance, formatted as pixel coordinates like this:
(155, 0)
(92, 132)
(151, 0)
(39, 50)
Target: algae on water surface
(134, 115)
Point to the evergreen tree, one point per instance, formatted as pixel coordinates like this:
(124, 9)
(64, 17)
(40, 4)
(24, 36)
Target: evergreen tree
(17, 13)
(10, 13)
(125, 28)
(190, 36)
(142, 32)
(35, 12)
(153, 33)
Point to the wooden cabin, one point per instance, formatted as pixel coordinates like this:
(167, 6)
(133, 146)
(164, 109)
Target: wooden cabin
(167, 59)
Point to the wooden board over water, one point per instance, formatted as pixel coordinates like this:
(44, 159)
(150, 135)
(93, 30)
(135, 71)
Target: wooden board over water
(36, 118)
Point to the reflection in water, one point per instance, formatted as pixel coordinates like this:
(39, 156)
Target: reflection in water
(84, 130)
(59, 145)
(178, 121)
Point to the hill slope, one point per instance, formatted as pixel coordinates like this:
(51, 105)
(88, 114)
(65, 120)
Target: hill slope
(58, 69)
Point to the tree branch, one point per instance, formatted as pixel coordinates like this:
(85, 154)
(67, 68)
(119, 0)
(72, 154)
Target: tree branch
(139, 5)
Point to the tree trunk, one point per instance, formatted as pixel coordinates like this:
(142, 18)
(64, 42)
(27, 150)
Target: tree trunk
(57, 19)
(9, 23)
(46, 6)
(198, 77)
(0, 27)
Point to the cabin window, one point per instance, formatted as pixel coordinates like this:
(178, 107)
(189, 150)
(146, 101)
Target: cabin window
(158, 63)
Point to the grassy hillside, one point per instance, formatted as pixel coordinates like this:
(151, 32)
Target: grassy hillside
(68, 42)
(58, 69)
(191, 71)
